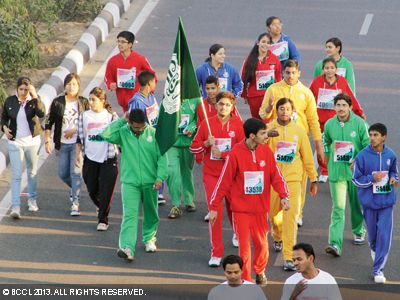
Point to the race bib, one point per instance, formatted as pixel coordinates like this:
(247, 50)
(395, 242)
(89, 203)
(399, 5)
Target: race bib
(325, 98)
(223, 84)
(383, 186)
(341, 72)
(152, 114)
(264, 79)
(281, 50)
(223, 144)
(285, 152)
(343, 152)
(126, 78)
(185, 118)
(94, 130)
(253, 182)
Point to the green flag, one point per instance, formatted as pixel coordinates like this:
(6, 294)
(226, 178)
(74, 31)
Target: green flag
(181, 85)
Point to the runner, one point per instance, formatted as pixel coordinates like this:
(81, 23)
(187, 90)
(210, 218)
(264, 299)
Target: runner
(100, 170)
(260, 69)
(123, 69)
(282, 45)
(325, 87)
(143, 170)
(345, 135)
(226, 131)
(215, 65)
(333, 48)
(375, 175)
(305, 114)
(248, 174)
(64, 114)
(294, 157)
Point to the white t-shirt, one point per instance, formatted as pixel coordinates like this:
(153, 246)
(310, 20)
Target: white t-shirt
(247, 291)
(93, 123)
(70, 121)
(321, 287)
(23, 136)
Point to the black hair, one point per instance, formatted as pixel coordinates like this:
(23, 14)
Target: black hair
(252, 126)
(102, 95)
(329, 59)
(270, 20)
(23, 80)
(70, 77)
(252, 60)
(145, 77)
(342, 96)
(129, 36)
(307, 248)
(283, 101)
(291, 63)
(227, 95)
(137, 115)
(212, 79)
(213, 50)
(379, 127)
(231, 260)
(336, 41)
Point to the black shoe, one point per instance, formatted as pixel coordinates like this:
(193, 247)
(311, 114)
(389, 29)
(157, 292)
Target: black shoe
(288, 265)
(261, 279)
(333, 250)
(277, 245)
(191, 208)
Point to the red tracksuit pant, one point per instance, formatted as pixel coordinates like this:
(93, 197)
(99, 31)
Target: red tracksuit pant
(254, 226)
(255, 104)
(217, 244)
(322, 165)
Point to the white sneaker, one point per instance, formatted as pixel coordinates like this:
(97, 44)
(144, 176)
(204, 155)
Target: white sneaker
(214, 261)
(380, 278)
(32, 205)
(102, 227)
(323, 178)
(207, 217)
(15, 213)
(151, 247)
(125, 253)
(75, 209)
(235, 242)
(373, 255)
(300, 222)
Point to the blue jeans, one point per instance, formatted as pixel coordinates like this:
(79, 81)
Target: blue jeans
(17, 154)
(67, 171)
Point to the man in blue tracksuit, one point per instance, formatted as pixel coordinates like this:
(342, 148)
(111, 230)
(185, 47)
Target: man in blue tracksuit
(375, 174)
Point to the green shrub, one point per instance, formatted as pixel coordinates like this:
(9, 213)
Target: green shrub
(79, 10)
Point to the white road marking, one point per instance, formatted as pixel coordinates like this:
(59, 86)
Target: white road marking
(367, 23)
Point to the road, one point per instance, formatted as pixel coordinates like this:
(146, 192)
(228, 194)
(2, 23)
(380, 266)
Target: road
(50, 247)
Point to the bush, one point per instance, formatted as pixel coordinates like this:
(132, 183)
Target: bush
(79, 10)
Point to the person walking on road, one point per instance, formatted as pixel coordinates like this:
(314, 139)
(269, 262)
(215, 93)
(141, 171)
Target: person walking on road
(215, 65)
(123, 69)
(20, 122)
(143, 169)
(226, 131)
(248, 174)
(345, 135)
(260, 69)
(100, 169)
(376, 176)
(63, 115)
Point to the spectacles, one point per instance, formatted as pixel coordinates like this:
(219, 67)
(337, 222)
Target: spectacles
(122, 42)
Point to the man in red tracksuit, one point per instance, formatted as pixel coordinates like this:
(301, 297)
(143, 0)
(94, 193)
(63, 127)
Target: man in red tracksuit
(123, 69)
(248, 174)
(226, 131)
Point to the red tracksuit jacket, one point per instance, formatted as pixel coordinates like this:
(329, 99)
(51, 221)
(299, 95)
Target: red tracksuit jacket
(242, 160)
(211, 111)
(136, 61)
(233, 129)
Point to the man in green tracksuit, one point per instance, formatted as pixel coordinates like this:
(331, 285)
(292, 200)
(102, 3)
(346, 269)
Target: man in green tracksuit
(143, 170)
(180, 161)
(344, 136)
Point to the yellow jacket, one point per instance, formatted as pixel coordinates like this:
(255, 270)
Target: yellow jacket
(293, 152)
(305, 108)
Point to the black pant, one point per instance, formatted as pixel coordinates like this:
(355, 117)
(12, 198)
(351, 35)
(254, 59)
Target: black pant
(100, 181)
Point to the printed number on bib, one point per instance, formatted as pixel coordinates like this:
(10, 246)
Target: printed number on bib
(185, 118)
(264, 79)
(343, 152)
(281, 50)
(383, 186)
(341, 72)
(253, 182)
(285, 152)
(126, 78)
(325, 98)
(152, 114)
(223, 144)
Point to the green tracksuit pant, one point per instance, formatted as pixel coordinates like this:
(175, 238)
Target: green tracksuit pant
(131, 198)
(180, 175)
(339, 190)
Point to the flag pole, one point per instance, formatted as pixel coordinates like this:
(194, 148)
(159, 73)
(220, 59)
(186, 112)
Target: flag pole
(205, 116)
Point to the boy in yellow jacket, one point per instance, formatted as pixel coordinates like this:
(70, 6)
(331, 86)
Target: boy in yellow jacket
(304, 112)
(294, 158)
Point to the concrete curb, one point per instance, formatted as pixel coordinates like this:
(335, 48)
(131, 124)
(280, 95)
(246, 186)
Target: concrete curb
(76, 59)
